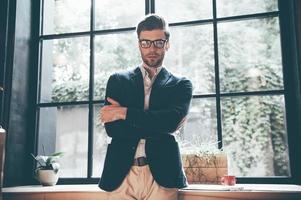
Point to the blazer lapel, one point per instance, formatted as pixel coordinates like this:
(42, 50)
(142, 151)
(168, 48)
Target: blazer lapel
(159, 83)
(138, 87)
(161, 79)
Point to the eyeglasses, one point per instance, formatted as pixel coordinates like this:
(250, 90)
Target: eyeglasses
(157, 43)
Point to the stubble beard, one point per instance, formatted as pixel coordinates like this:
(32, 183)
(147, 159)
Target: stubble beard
(153, 63)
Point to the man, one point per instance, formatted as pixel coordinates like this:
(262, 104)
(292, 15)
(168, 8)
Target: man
(144, 107)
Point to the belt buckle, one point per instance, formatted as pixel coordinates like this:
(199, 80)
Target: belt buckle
(140, 161)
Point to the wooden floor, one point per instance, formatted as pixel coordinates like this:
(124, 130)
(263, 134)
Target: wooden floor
(193, 192)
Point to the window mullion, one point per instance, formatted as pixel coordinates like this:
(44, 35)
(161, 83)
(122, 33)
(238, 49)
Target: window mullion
(91, 90)
(152, 7)
(149, 6)
(217, 79)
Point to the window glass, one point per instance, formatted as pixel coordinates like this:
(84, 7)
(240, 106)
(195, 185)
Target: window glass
(65, 70)
(118, 13)
(200, 126)
(113, 53)
(249, 60)
(250, 55)
(184, 10)
(65, 129)
(65, 16)
(191, 54)
(254, 136)
(227, 8)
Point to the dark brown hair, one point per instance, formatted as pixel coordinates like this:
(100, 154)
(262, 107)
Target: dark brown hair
(152, 22)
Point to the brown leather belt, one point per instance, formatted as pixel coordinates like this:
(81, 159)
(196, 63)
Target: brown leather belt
(141, 161)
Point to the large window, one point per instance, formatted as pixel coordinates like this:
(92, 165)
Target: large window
(229, 49)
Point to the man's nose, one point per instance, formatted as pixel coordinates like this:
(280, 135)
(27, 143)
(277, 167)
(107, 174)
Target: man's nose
(152, 47)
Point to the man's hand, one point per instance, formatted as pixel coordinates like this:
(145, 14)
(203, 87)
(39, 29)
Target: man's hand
(113, 112)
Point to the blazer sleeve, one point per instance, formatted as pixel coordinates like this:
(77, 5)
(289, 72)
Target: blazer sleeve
(164, 120)
(119, 128)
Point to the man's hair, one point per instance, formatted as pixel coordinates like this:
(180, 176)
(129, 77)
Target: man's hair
(152, 22)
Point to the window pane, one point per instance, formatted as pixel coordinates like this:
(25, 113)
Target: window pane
(100, 144)
(113, 53)
(254, 136)
(250, 55)
(63, 16)
(242, 7)
(65, 70)
(65, 129)
(184, 10)
(200, 127)
(191, 54)
(118, 13)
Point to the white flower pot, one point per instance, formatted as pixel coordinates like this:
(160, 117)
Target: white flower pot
(47, 177)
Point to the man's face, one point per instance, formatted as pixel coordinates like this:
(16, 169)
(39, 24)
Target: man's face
(153, 56)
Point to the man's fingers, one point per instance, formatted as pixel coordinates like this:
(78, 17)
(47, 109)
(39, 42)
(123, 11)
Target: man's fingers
(112, 101)
(108, 108)
(107, 114)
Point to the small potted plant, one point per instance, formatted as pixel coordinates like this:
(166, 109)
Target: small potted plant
(48, 168)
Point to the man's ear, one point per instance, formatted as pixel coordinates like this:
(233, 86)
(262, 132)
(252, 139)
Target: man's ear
(167, 46)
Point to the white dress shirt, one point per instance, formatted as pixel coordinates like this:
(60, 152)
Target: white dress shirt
(148, 83)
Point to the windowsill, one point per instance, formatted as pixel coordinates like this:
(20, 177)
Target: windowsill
(194, 188)
(239, 191)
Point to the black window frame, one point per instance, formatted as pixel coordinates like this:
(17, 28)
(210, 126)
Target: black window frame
(290, 68)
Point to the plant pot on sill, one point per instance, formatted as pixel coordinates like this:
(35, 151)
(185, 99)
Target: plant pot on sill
(205, 168)
(47, 177)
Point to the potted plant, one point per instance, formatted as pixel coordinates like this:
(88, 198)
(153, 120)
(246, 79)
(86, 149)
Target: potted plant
(203, 162)
(48, 168)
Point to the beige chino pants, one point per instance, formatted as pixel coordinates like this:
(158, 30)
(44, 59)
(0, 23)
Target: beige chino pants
(139, 184)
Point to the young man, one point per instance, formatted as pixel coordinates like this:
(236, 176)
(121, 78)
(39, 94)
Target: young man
(144, 107)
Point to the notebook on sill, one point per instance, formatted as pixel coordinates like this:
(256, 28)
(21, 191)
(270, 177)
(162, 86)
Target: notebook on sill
(214, 187)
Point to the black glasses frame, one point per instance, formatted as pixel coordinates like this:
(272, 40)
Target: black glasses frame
(156, 43)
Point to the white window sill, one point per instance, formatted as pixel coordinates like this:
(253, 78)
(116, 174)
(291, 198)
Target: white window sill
(239, 191)
(194, 187)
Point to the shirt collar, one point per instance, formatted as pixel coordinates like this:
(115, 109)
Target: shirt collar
(145, 73)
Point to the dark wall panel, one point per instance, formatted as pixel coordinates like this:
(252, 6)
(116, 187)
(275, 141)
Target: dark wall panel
(17, 155)
(289, 38)
(298, 30)
(3, 19)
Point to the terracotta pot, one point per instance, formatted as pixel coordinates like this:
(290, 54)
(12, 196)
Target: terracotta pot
(47, 177)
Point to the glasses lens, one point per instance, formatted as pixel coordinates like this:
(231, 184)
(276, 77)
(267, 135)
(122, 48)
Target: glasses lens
(145, 43)
(159, 43)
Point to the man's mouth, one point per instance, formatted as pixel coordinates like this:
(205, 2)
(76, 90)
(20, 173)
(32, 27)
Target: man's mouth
(152, 56)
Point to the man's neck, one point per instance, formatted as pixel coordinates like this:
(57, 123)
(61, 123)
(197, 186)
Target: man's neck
(150, 70)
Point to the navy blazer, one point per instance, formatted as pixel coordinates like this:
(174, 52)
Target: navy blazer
(168, 105)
